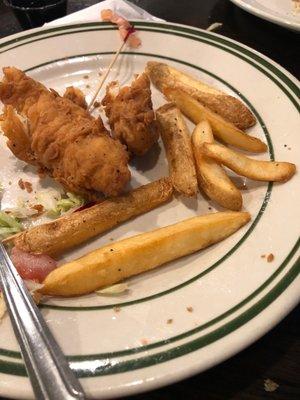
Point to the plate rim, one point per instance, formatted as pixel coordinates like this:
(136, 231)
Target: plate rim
(286, 73)
(283, 22)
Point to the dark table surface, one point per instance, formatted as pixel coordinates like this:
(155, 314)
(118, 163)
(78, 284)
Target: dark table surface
(277, 355)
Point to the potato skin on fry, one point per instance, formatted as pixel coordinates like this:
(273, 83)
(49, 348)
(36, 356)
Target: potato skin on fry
(177, 143)
(250, 168)
(71, 230)
(228, 107)
(212, 178)
(222, 129)
(137, 254)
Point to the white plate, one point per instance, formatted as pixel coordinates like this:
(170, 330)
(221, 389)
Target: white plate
(235, 294)
(282, 12)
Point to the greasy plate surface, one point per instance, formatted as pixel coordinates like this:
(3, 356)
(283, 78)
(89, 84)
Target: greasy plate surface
(235, 295)
(282, 12)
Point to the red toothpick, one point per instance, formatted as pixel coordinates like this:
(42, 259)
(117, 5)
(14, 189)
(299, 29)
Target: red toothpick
(130, 30)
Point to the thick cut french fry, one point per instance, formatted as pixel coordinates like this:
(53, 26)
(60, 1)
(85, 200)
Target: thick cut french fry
(228, 107)
(222, 129)
(177, 143)
(141, 253)
(211, 176)
(71, 230)
(254, 169)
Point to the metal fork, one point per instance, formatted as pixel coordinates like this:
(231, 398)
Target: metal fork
(47, 367)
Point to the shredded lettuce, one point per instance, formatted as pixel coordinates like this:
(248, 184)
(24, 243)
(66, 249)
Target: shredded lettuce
(65, 204)
(6, 221)
(8, 225)
(114, 289)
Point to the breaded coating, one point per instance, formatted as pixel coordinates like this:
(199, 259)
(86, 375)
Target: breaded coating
(65, 140)
(130, 114)
(75, 95)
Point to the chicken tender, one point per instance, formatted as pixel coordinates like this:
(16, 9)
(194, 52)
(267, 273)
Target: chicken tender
(63, 139)
(130, 114)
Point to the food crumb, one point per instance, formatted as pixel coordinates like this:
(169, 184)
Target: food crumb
(28, 187)
(190, 309)
(100, 73)
(87, 86)
(289, 148)
(263, 256)
(144, 341)
(39, 208)
(85, 77)
(270, 257)
(10, 182)
(21, 184)
(25, 185)
(117, 309)
(96, 104)
(170, 321)
(209, 208)
(270, 386)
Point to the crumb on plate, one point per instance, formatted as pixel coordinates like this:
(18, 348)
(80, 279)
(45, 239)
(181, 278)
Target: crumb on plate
(28, 187)
(270, 386)
(21, 184)
(190, 309)
(270, 257)
(170, 321)
(39, 208)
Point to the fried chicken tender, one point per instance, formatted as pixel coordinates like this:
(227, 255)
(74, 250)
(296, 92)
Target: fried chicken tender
(75, 95)
(130, 114)
(63, 139)
(15, 130)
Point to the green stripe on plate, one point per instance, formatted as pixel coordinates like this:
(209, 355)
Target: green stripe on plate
(184, 335)
(253, 54)
(108, 368)
(176, 30)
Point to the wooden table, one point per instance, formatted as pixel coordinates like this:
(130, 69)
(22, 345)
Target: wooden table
(277, 355)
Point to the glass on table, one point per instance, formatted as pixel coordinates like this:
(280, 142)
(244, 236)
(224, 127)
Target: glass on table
(33, 13)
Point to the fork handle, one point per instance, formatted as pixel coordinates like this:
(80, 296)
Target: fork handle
(47, 367)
